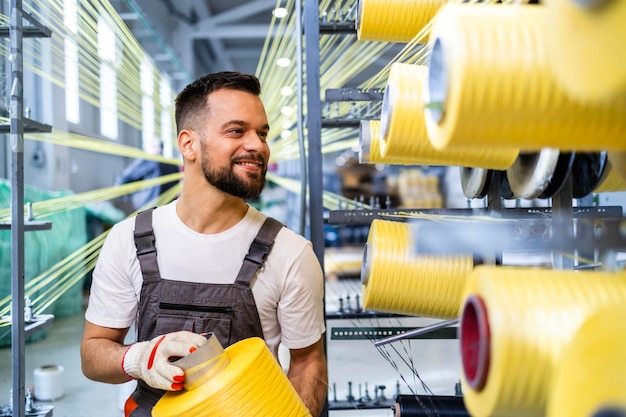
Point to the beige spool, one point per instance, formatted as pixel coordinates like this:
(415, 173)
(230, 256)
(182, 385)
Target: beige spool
(490, 85)
(591, 374)
(394, 20)
(515, 324)
(403, 127)
(586, 41)
(397, 280)
(248, 381)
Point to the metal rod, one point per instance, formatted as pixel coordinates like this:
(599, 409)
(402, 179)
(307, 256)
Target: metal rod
(416, 332)
(17, 210)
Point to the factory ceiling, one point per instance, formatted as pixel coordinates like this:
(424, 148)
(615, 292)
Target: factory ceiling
(188, 38)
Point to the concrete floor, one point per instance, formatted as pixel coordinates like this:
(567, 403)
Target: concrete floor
(355, 363)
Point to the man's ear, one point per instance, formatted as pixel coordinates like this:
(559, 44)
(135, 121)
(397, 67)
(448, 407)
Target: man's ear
(186, 141)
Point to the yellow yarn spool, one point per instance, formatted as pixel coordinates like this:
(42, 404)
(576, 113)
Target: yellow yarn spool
(394, 20)
(586, 41)
(397, 280)
(403, 127)
(611, 180)
(515, 324)
(591, 375)
(369, 145)
(490, 85)
(618, 162)
(252, 384)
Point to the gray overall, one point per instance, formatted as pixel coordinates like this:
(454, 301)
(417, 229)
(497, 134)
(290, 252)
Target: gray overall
(227, 310)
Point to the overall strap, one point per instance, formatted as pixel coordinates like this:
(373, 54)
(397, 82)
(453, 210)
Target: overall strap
(146, 250)
(259, 249)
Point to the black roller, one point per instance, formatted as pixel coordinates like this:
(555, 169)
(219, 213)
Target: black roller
(430, 405)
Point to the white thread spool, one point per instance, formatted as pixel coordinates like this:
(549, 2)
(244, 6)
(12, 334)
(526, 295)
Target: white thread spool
(48, 382)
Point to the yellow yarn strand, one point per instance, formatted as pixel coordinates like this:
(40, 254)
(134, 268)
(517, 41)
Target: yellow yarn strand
(399, 281)
(252, 384)
(502, 96)
(403, 127)
(586, 48)
(394, 20)
(591, 374)
(532, 315)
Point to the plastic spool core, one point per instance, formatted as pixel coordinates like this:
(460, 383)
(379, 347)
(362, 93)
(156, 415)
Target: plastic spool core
(357, 17)
(531, 173)
(475, 182)
(365, 142)
(437, 92)
(386, 112)
(365, 265)
(475, 337)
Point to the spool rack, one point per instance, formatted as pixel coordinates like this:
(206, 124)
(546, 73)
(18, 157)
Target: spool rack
(16, 127)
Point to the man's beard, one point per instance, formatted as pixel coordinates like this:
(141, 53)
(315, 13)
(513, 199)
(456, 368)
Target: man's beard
(229, 182)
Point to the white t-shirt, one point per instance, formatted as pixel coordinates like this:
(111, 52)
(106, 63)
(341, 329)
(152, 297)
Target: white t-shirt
(288, 290)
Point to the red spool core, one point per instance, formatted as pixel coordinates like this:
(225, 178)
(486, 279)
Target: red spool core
(475, 338)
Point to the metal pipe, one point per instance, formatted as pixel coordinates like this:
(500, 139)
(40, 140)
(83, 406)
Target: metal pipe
(416, 332)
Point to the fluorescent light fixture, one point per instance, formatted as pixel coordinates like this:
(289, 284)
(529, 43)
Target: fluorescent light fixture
(279, 12)
(283, 62)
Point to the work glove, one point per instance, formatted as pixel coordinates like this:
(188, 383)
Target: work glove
(150, 360)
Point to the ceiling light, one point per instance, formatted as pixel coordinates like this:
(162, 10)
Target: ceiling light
(285, 134)
(283, 62)
(286, 111)
(279, 12)
(286, 91)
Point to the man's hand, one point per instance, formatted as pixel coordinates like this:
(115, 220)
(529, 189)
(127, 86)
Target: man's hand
(150, 360)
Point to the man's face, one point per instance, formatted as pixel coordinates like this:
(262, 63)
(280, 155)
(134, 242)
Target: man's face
(233, 143)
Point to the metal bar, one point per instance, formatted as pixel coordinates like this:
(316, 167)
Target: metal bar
(29, 226)
(417, 332)
(30, 126)
(370, 333)
(338, 28)
(17, 209)
(314, 130)
(314, 136)
(340, 123)
(563, 224)
(353, 94)
(363, 216)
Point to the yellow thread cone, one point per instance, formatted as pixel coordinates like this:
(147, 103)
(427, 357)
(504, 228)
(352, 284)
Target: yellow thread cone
(490, 85)
(586, 48)
(403, 127)
(394, 20)
(252, 385)
(397, 280)
(591, 374)
(531, 315)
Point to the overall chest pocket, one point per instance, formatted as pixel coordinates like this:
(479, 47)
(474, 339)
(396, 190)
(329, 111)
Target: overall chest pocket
(197, 318)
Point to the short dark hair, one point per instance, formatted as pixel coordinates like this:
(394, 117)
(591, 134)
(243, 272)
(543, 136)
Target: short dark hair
(194, 96)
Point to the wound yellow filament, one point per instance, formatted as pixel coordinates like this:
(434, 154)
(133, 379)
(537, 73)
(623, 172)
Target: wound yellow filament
(403, 127)
(490, 85)
(586, 46)
(533, 314)
(591, 375)
(394, 20)
(252, 384)
(398, 280)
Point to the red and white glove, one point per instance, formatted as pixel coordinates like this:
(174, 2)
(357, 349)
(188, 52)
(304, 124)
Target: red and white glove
(149, 361)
